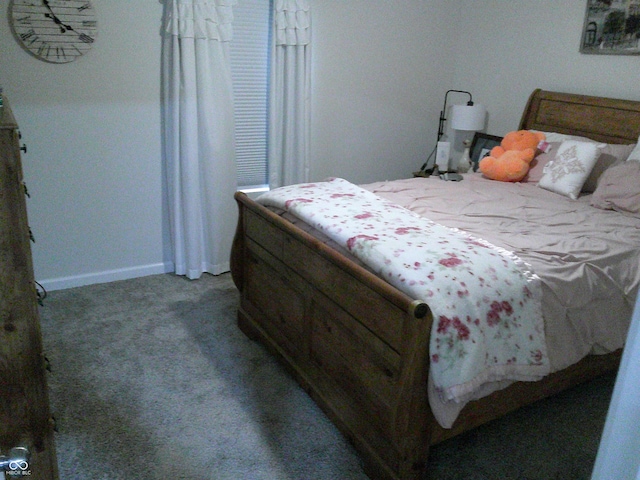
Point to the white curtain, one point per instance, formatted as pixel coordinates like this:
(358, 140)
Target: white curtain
(198, 134)
(289, 93)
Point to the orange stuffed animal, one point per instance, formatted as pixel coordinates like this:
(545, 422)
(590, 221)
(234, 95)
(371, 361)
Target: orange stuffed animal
(509, 162)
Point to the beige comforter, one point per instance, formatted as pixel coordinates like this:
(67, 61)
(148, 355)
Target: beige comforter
(588, 259)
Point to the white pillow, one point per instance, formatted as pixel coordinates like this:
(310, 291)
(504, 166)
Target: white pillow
(563, 137)
(635, 154)
(619, 189)
(569, 170)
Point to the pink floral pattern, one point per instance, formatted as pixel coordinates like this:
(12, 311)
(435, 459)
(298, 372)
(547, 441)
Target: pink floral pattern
(486, 301)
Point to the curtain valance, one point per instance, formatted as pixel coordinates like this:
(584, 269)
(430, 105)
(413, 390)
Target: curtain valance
(292, 22)
(210, 19)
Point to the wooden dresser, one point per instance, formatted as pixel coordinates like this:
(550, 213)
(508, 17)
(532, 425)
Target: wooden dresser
(25, 419)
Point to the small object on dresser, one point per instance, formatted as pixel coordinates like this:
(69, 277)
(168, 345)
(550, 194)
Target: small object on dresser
(464, 164)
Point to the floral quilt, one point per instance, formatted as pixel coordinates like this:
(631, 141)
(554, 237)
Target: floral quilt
(485, 301)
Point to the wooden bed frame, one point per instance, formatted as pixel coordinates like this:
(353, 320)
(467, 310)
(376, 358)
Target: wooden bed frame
(359, 346)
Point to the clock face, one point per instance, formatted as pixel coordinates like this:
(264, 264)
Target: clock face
(56, 31)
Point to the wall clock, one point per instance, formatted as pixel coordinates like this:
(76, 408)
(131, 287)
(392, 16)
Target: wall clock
(55, 31)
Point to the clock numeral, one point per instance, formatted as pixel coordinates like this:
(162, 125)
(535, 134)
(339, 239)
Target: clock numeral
(41, 49)
(24, 20)
(85, 38)
(27, 35)
(60, 53)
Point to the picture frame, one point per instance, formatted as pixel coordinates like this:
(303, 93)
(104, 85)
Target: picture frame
(481, 145)
(611, 28)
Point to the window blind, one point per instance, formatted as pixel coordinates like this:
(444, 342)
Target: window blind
(249, 53)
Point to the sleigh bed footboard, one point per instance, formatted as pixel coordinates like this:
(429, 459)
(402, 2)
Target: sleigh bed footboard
(358, 346)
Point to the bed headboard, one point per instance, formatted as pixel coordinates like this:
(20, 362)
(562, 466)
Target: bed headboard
(604, 119)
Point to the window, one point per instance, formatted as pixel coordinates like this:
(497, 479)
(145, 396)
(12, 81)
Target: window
(250, 72)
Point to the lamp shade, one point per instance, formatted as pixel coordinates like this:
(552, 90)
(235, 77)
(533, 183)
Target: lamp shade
(468, 117)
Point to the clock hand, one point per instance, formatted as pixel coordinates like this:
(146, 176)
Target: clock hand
(56, 20)
(52, 16)
(63, 26)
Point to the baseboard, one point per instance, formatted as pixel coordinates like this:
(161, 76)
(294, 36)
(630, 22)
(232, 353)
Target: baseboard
(106, 276)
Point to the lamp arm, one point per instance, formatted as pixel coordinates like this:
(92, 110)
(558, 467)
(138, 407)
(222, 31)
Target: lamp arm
(444, 109)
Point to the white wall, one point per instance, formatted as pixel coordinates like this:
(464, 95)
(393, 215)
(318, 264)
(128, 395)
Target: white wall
(93, 165)
(380, 71)
(506, 49)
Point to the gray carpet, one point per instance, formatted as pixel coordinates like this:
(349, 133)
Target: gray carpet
(152, 380)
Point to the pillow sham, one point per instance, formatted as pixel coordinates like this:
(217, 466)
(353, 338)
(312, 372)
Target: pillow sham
(538, 163)
(609, 155)
(635, 154)
(619, 188)
(569, 169)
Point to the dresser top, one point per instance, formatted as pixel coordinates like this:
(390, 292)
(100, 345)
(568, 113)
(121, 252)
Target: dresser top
(7, 120)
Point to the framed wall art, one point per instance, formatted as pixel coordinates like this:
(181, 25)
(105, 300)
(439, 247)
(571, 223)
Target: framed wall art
(481, 146)
(611, 27)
